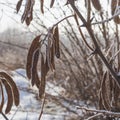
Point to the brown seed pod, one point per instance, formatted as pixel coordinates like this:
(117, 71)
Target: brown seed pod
(27, 14)
(96, 4)
(104, 92)
(18, 6)
(52, 52)
(26, 11)
(29, 18)
(56, 38)
(42, 5)
(35, 78)
(114, 4)
(14, 88)
(30, 57)
(52, 3)
(9, 95)
(108, 91)
(43, 76)
(2, 97)
(117, 20)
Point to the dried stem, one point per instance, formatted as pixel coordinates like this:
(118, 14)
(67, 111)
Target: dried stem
(4, 116)
(62, 20)
(42, 107)
(94, 116)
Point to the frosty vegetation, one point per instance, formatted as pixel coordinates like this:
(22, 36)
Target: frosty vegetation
(70, 69)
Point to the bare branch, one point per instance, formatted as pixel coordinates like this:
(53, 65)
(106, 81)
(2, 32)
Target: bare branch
(105, 112)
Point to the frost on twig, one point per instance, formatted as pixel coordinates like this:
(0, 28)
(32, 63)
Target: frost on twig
(116, 13)
(104, 112)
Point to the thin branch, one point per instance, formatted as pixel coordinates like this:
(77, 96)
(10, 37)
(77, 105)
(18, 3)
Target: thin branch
(42, 107)
(94, 116)
(82, 35)
(4, 116)
(63, 20)
(105, 112)
(103, 21)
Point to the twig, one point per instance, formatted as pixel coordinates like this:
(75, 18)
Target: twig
(94, 116)
(105, 112)
(42, 107)
(103, 21)
(14, 114)
(83, 38)
(4, 116)
(113, 57)
(63, 20)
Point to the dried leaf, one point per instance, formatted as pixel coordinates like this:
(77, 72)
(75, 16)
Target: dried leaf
(56, 38)
(18, 6)
(52, 3)
(42, 5)
(9, 95)
(14, 88)
(96, 4)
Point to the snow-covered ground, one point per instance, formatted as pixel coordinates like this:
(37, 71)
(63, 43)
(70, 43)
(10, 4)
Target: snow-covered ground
(29, 107)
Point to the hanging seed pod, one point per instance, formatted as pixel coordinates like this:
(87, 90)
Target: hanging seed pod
(42, 5)
(2, 97)
(101, 99)
(27, 15)
(52, 3)
(18, 6)
(101, 106)
(9, 96)
(114, 4)
(13, 86)
(96, 4)
(43, 76)
(32, 60)
(108, 91)
(35, 78)
(56, 38)
(26, 11)
(104, 94)
(52, 57)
